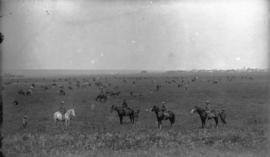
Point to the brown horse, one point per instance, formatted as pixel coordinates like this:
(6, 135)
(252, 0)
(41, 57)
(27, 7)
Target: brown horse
(167, 115)
(124, 112)
(206, 115)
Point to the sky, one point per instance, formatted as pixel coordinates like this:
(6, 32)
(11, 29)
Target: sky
(147, 35)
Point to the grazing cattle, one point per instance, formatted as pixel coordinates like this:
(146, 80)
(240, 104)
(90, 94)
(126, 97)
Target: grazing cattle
(21, 92)
(157, 87)
(124, 112)
(207, 115)
(29, 92)
(15, 102)
(166, 115)
(62, 92)
(115, 93)
(54, 85)
(101, 98)
(46, 88)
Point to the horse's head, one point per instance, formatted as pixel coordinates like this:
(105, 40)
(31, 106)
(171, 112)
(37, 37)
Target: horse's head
(155, 109)
(72, 112)
(195, 109)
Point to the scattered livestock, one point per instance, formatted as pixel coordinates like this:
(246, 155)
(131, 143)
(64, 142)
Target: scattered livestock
(101, 98)
(15, 102)
(62, 92)
(22, 92)
(134, 115)
(29, 92)
(113, 93)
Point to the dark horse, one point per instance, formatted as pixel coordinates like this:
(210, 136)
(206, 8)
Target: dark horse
(163, 115)
(124, 112)
(207, 115)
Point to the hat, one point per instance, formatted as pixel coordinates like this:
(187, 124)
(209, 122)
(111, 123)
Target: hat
(163, 102)
(62, 102)
(207, 101)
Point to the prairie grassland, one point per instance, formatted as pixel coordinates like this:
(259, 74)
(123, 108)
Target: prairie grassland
(95, 131)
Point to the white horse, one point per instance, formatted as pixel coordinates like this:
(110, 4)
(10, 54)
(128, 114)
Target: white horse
(57, 116)
(68, 115)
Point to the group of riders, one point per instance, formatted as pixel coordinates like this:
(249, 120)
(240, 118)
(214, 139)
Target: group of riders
(164, 110)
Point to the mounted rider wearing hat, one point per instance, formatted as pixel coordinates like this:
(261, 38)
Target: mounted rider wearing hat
(164, 109)
(124, 104)
(208, 108)
(62, 109)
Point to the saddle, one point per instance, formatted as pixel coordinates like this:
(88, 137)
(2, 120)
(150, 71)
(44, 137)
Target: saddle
(211, 113)
(165, 113)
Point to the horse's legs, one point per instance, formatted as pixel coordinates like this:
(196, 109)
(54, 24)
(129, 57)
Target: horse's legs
(121, 119)
(203, 122)
(66, 123)
(216, 120)
(130, 117)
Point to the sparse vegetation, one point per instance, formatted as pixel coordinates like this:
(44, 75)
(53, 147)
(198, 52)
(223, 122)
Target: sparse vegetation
(97, 132)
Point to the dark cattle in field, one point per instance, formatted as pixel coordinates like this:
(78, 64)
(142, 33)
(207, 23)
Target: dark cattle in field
(115, 93)
(215, 82)
(29, 92)
(54, 85)
(70, 88)
(15, 102)
(158, 87)
(21, 92)
(62, 92)
(61, 87)
(101, 98)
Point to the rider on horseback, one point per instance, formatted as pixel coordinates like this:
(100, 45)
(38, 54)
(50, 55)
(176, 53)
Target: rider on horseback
(62, 109)
(124, 104)
(164, 109)
(208, 108)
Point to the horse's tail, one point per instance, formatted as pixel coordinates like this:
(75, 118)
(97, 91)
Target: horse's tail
(222, 116)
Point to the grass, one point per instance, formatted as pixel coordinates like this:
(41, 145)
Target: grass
(97, 132)
(164, 142)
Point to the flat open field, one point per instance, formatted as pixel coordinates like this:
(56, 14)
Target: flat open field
(95, 131)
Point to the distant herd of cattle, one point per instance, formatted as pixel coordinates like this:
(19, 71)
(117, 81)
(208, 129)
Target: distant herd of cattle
(105, 88)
